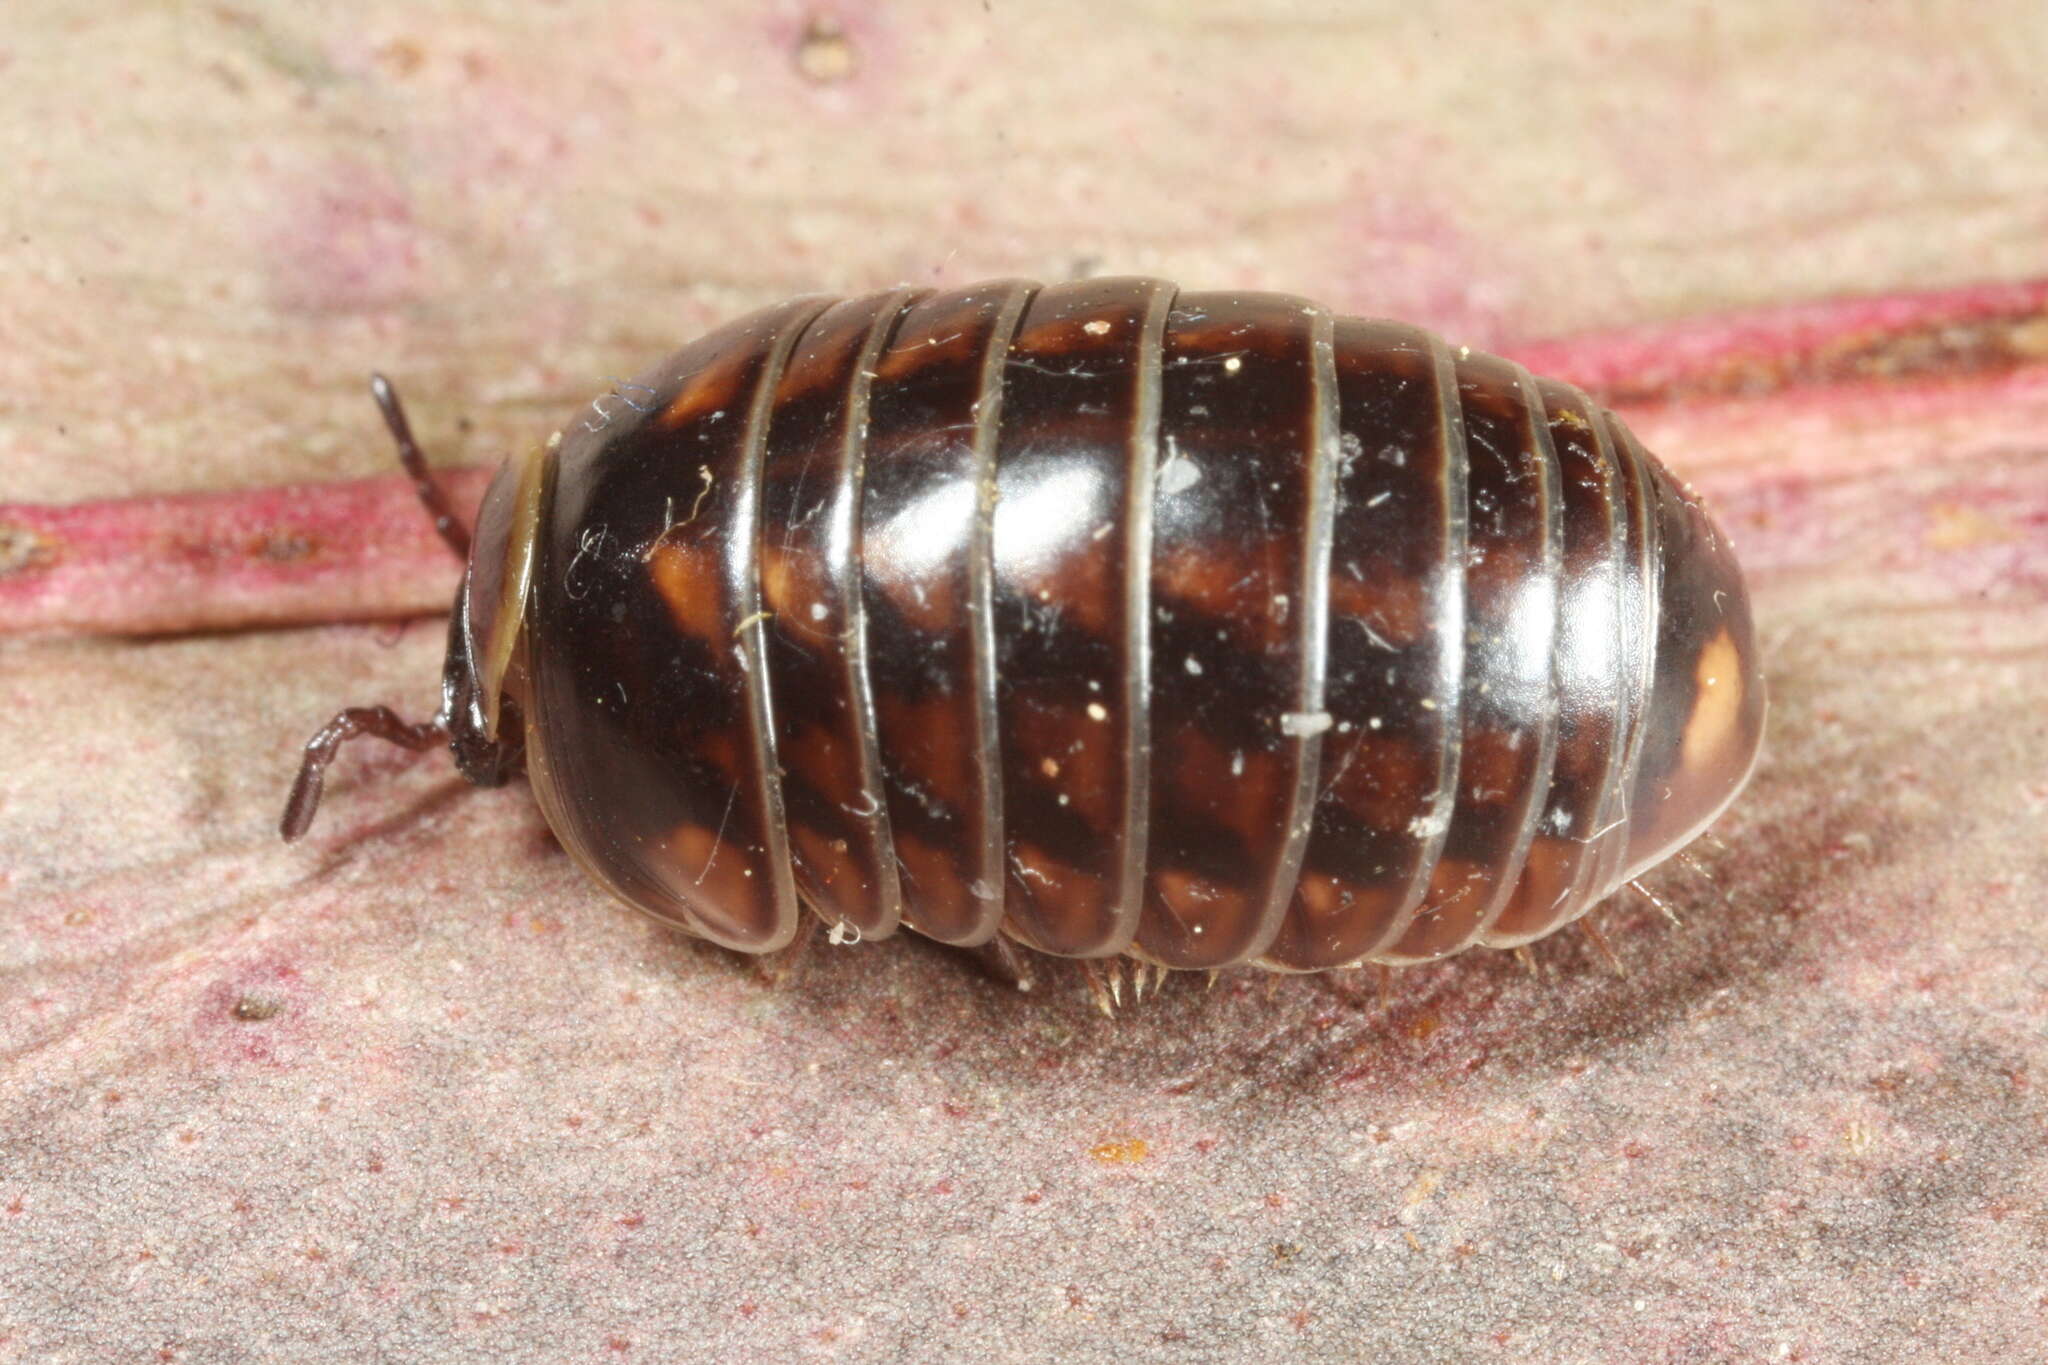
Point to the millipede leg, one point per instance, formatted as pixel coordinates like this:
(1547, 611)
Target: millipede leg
(378, 722)
(1105, 984)
(1699, 869)
(1001, 959)
(780, 968)
(1650, 896)
(1146, 976)
(1599, 940)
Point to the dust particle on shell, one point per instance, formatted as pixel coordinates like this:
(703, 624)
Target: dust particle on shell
(823, 54)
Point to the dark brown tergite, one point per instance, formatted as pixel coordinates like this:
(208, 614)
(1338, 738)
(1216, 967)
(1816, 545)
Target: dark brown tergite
(1208, 628)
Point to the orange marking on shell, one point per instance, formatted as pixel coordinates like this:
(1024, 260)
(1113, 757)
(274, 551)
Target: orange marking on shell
(931, 885)
(1340, 910)
(943, 342)
(930, 603)
(930, 746)
(1243, 787)
(1229, 584)
(1078, 896)
(1065, 339)
(687, 577)
(1448, 910)
(712, 871)
(1394, 605)
(1545, 877)
(789, 583)
(723, 750)
(1081, 762)
(1491, 768)
(1382, 780)
(1200, 905)
(827, 861)
(706, 392)
(1322, 895)
(815, 753)
(1080, 581)
(1712, 728)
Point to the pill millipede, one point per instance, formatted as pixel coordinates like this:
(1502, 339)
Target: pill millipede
(1203, 628)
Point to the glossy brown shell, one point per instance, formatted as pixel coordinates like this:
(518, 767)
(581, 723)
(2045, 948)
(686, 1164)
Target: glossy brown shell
(1208, 627)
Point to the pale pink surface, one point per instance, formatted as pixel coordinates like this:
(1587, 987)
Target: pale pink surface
(414, 1090)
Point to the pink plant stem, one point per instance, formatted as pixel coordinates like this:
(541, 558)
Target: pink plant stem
(1974, 330)
(364, 549)
(355, 550)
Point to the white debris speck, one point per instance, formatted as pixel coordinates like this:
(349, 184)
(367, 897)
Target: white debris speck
(1097, 711)
(1097, 328)
(1194, 666)
(1301, 723)
(1178, 474)
(1232, 364)
(1237, 764)
(817, 611)
(1429, 826)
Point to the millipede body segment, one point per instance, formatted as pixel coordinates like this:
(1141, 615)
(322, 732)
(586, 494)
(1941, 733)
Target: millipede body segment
(1211, 628)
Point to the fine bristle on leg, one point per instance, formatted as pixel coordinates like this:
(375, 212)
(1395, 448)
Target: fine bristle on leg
(378, 722)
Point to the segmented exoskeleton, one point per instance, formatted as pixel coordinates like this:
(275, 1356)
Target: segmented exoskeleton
(1207, 627)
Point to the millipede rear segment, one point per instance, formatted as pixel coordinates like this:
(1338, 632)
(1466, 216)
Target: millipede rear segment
(1208, 627)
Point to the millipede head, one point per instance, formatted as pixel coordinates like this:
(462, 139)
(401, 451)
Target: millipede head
(480, 639)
